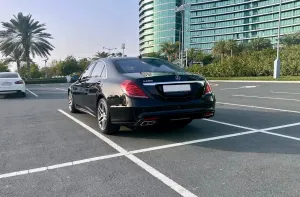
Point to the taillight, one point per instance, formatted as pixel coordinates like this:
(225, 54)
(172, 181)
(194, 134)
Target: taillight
(132, 90)
(19, 82)
(208, 89)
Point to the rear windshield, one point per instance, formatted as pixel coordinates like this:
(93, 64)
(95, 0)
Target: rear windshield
(9, 75)
(146, 65)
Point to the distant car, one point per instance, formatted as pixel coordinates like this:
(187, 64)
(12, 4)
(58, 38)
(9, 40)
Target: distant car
(74, 78)
(12, 83)
(140, 92)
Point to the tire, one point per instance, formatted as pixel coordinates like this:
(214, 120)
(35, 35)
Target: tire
(23, 94)
(72, 107)
(103, 118)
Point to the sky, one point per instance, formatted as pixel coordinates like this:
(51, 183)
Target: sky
(81, 27)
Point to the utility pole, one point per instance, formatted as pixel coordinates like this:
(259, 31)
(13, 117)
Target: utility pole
(277, 61)
(109, 49)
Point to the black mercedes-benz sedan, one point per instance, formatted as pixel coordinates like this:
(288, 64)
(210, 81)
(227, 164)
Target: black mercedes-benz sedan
(140, 92)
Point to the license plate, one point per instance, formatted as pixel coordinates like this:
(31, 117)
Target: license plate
(177, 88)
(6, 83)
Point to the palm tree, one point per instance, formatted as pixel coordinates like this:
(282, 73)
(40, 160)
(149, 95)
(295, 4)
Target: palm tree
(23, 31)
(231, 46)
(220, 49)
(99, 55)
(170, 49)
(17, 57)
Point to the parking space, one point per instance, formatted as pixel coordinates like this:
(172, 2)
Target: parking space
(249, 165)
(250, 148)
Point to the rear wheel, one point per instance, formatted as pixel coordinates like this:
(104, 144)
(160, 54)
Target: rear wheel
(103, 116)
(72, 107)
(23, 94)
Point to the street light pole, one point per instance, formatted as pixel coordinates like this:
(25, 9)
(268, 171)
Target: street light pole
(123, 48)
(109, 49)
(186, 57)
(181, 9)
(45, 60)
(276, 73)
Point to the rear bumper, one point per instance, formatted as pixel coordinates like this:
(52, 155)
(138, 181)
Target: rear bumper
(12, 90)
(6, 92)
(129, 116)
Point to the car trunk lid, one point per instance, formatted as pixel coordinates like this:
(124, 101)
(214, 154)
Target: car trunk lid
(170, 86)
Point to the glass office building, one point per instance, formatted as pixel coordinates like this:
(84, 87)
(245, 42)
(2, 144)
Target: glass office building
(158, 23)
(241, 20)
(208, 21)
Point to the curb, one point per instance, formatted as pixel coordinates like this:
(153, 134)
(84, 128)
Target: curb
(248, 81)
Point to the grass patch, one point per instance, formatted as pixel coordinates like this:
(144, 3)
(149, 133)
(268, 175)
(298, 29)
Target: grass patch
(263, 78)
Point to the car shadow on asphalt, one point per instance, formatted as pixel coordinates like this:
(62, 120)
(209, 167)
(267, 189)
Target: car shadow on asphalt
(201, 129)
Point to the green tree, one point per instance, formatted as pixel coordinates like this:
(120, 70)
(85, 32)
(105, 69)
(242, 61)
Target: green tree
(290, 39)
(99, 55)
(69, 66)
(258, 44)
(3, 66)
(24, 31)
(35, 71)
(16, 56)
(119, 54)
(83, 63)
(220, 49)
(170, 49)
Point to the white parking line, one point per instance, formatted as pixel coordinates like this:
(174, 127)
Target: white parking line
(257, 107)
(243, 87)
(148, 168)
(172, 184)
(56, 166)
(271, 98)
(62, 89)
(32, 93)
(292, 93)
(192, 142)
(280, 135)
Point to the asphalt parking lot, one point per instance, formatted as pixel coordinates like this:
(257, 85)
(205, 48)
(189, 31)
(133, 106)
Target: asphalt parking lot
(250, 148)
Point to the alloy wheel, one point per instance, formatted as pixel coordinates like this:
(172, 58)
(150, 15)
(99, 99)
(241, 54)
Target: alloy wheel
(102, 116)
(70, 101)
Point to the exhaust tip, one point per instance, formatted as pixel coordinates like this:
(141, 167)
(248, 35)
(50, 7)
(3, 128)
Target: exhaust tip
(208, 114)
(147, 123)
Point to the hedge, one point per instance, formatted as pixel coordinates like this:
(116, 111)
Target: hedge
(45, 81)
(251, 64)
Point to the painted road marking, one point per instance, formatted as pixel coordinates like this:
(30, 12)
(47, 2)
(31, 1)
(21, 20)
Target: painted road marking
(56, 166)
(32, 93)
(62, 89)
(172, 184)
(280, 135)
(257, 107)
(149, 168)
(243, 87)
(292, 93)
(271, 98)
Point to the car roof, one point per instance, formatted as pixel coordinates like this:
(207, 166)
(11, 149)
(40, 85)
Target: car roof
(123, 58)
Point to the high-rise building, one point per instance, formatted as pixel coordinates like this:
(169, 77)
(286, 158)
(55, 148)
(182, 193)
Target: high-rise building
(158, 23)
(208, 21)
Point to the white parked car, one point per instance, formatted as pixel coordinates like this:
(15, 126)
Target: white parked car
(12, 83)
